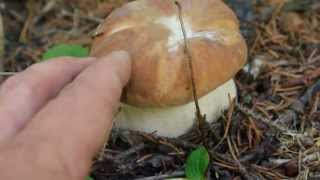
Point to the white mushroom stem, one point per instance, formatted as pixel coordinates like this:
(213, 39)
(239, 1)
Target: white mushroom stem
(175, 121)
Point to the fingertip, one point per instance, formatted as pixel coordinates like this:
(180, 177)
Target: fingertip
(121, 62)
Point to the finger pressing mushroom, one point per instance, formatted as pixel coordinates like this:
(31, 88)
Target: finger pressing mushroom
(158, 97)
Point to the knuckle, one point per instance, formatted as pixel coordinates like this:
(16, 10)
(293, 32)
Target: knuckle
(10, 84)
(18, 86)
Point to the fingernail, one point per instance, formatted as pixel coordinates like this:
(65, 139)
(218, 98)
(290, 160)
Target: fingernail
(120, 62)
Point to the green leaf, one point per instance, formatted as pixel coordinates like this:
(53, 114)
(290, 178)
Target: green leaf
(197, 164)
(65, 50)
(89, 178)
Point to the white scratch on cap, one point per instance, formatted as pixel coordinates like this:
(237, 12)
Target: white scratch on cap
(176, 36)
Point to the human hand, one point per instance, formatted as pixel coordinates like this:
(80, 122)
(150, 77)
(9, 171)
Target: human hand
(55, 116)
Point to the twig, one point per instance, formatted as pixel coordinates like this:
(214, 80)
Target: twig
(16, 15)
(130, 151)
(297, 106)
(229, 119)
(187, 52)
(89, 18)
(268, 172)
(24, 33)
(311, 91)
(48, 7)
(189, 57)
(242, 170)
(258, 117)
(1, 39)
(1, 46)
(164, 176)
(75, 24)
(7, 73)
(101, 155)
(300, 161)
(311, 157)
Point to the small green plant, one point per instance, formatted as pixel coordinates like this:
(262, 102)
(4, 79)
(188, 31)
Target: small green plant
(65, 50)
(89, 178)
(197, 164)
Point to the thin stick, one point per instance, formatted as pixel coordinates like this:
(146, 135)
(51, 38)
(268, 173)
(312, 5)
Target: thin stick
(1, 37)
(7, 73)
(164, 176)
(1, 46)
(187, 52)
(258, 117)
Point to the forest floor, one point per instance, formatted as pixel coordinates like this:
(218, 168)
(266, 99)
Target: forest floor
(271, 132)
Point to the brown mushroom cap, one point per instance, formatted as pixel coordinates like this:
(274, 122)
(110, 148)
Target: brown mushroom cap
(150, 31)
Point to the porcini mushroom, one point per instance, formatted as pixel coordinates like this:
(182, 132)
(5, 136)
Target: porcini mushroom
(158, 97)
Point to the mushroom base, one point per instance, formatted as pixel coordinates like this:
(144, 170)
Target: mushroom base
(178, 120)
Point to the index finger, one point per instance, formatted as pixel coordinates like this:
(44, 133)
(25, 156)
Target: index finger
(22, 95)
(76, 122)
